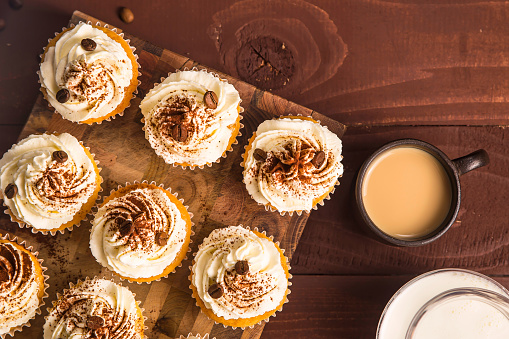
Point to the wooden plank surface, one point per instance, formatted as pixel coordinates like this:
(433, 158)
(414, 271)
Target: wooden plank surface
(211, 193)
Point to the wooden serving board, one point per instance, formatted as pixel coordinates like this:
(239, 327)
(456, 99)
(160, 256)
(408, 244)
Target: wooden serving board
(216, 196)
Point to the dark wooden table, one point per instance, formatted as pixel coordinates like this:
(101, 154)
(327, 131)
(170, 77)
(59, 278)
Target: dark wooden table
(437, 72)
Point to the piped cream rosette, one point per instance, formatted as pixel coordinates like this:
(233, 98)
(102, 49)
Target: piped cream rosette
(88, 73)
(95, 308)
(192, 118)
(49, 182)
(239, 277)
(22, 285)
(292, 164)
(141, 232)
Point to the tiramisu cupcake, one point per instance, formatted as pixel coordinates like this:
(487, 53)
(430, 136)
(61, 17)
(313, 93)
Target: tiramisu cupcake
(191, 118)
(22, 285)
(239, 277)
(292, 164)
(95, 308)
(49, 182)
(141, 232)
(88, 73)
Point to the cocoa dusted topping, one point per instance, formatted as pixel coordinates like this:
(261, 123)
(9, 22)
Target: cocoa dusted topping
(161, 238)
(179, 133)
(242, 267)
(63, 95)
(215, 291)
(95, 322)
(88, 44)
(60, 156)
(319, 159)
(126, 228)
(259, 154)
(10, 191)
(210, 99)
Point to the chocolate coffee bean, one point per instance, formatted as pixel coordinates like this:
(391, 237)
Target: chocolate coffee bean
(210, 99)
(318, 159)
(95, 322)
(63, 95)
(161, 238)
(179, 133)
(242, 267)
(126, 228)
(259, 154)
(88, 44)
(15, 4)
(215, 291)
(126, 15)
(10, 191)
(60, 156)
(4, 276)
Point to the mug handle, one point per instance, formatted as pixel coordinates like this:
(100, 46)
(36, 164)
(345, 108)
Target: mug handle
(471, 161)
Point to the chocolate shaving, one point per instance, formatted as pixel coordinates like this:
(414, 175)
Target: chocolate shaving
(126, 228)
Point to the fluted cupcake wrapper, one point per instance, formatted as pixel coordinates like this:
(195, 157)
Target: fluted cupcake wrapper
(87, 279)
(268, 206)
(14, 239)
(197, 336)
(23, 224)
(164, 274)
(160, 153)
(133, 49)
(279, 309)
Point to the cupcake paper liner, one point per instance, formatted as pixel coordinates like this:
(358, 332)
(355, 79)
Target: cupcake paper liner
(266, 320)
(53, 232)
(87, 279)
(23, 244)
(190, 335)
(133, 49)
(100, 201)
(268, 206)
(225, 153)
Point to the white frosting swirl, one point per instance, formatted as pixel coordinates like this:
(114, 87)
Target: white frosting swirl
(287, 178)
(245, 296)
(113, 303)
(96, 79)
(19, 294)
(49, 193)
(209, 130)
(138, 255)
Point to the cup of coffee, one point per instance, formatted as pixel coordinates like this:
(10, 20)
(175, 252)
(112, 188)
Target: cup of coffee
(408, 191)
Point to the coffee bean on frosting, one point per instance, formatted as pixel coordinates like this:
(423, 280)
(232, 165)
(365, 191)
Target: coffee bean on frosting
(259, 154)
(242, 267)
(126, 15)
(10, 191)
(179, 133)
(60, 156)
(210, 99)
(161, 238)
(4, 276)
(126, 228)
(215, 291)
(94, 322)
(63, 95)
(88, 44)
(319, 159)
